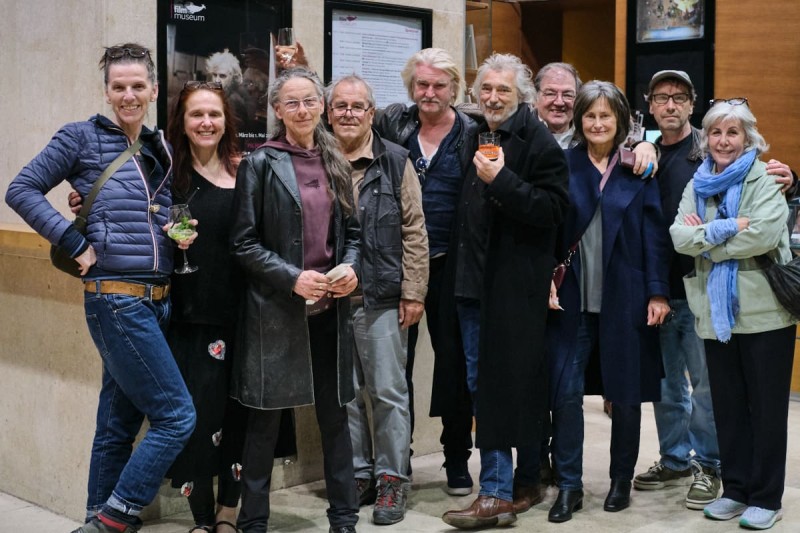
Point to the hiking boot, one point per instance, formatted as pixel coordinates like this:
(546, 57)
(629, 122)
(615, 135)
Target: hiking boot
(459, 482)
(390, 506)
(659, 476)
(704, 489)
(96, 526)
(724, 509)
(365, 491)
(758, 518)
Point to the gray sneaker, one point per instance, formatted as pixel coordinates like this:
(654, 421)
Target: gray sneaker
(758, 518)
(704, 489)
(390, 506)
(724, 509)
(660, 476)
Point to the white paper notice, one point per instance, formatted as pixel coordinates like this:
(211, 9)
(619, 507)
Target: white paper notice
(376, 47)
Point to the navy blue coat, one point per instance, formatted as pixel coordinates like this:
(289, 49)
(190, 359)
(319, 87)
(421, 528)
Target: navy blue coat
(635, 263)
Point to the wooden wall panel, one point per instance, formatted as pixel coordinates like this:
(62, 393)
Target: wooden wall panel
(588, 41)
(758, 56)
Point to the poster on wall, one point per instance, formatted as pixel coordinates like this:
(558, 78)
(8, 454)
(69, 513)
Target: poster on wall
(374, 41)
(225, 41)
(669, 20)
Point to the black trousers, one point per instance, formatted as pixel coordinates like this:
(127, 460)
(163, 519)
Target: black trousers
(750, 378)
(456, 435)
(626, 425)
(337, 450)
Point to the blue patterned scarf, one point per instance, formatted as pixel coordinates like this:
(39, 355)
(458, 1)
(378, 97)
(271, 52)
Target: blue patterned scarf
(722, 291)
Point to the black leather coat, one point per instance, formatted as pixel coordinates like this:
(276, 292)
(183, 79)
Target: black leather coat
(272, 369)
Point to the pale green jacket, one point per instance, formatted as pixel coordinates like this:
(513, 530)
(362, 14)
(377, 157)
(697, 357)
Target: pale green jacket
(765, 206)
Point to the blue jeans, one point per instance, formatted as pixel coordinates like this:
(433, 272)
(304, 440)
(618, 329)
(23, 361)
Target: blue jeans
(568, 431)
(497, 466)
(140, 378)
(685, 418)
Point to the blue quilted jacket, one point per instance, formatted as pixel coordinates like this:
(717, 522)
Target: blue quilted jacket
(123, 228)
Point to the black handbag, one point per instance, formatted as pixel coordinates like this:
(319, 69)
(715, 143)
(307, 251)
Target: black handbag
(784, 280)
(59, 257)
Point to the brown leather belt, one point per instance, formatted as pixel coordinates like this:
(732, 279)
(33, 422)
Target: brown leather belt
(140, 290)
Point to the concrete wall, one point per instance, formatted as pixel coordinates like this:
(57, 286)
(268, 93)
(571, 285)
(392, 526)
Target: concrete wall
(49, 367)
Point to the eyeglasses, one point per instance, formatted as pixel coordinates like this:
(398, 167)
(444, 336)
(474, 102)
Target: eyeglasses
(567, 96)
(663, 98)
(421, 165)
(357, 110)
(293, 105)
(116, 52)
(732, 101)
(195, 84)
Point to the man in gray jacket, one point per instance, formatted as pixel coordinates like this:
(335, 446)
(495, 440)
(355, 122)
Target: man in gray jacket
(394, 282)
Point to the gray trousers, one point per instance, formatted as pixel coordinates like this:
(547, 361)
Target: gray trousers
(380, 378)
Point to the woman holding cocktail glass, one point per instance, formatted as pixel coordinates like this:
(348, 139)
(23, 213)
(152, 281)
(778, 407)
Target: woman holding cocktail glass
(201, 333)
(125, 259)
(294, 221)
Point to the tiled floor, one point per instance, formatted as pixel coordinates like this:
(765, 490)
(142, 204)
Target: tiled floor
(302, 508)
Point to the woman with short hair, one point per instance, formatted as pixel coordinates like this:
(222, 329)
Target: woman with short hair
(731, 215)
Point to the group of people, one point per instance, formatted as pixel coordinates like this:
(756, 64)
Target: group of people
(319, 252)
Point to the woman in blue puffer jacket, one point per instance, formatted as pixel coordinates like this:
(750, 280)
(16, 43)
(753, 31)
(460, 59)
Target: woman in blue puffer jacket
(125, 259)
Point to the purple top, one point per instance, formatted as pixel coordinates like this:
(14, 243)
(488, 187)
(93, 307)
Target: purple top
(316, 198)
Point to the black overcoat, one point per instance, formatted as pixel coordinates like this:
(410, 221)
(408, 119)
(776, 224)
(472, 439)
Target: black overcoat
(527, 201)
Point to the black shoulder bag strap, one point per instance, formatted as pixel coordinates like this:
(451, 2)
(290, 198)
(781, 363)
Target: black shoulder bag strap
(81, 220)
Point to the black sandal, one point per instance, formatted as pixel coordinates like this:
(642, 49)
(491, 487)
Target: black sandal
(226, 523)
(207, 529)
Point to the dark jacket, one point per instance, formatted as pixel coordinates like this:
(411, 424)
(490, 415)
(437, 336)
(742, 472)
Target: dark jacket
(380, 218)
(526, 203)
(272, 368)
(635, 260)
(124, 232)
(398, 122)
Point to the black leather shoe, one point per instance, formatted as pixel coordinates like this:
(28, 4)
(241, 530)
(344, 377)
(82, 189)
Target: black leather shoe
(567, 502)
(619, 496)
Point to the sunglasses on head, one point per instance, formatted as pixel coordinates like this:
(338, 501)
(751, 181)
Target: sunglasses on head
(116, 52)
(195, 84)
(732, 101)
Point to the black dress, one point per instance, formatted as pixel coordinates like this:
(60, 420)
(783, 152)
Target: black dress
(201, 335)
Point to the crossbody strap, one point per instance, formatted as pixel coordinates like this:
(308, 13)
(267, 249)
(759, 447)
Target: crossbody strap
(81, 219)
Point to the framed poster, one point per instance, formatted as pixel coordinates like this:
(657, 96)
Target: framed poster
(669, 35)
(670, 20)
(221, 40)
(374, 41)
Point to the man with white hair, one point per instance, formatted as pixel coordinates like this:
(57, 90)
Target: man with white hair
(223, 68)
(507, 222)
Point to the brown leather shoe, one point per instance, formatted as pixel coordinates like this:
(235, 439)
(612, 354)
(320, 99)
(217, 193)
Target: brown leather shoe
(485, 511)
(526, 497)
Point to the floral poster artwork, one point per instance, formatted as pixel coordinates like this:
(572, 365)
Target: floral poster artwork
(669, 20)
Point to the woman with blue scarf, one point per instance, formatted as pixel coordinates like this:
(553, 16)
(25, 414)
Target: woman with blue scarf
(731, 213)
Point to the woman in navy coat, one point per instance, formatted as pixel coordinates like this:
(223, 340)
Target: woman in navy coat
(613, 294)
